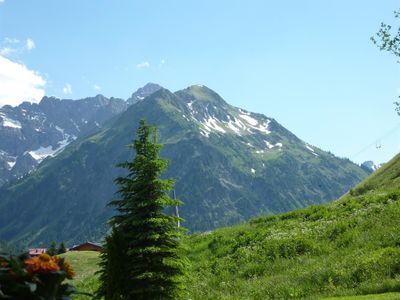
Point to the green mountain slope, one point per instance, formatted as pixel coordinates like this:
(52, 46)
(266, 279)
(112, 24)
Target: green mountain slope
(386, 177)
(350, 246)
(229, 165)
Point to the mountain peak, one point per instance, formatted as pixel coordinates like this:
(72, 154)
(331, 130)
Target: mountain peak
(199, 88)
(144, 92)
(370, 166)
(100, 96)
(49, 99)
(200, 93)
(151, 85)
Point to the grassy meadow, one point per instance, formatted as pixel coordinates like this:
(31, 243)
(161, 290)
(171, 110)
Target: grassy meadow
(84, 264)
(345, 249)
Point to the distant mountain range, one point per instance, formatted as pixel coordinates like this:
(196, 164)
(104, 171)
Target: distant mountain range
(29, 133)
(229, 164)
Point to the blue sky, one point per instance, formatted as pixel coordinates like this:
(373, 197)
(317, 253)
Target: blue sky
(308, 64)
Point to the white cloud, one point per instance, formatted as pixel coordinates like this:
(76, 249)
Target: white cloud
(18, 83)
(11, 40)
(143, 65)
(7, 51)
(9, 46)
(30, 44)
(13, 46)
(162, 62)
(67, 89)
(96, 87)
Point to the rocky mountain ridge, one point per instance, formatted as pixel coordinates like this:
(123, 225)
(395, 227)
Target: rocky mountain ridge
(30, 132)
(229, 165)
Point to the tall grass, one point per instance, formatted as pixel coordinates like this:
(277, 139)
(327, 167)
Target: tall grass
(85, 265)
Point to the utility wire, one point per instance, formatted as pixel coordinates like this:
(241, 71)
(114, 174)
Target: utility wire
(384, 136)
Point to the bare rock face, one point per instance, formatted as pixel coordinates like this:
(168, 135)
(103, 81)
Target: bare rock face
(29, 133)
(143, 92)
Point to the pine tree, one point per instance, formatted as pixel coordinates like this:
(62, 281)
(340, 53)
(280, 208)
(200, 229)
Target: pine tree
(52, 250)
(152, 267)
(112, 273)
(62, 249)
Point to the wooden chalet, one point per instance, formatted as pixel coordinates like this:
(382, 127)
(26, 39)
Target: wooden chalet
(37, 251)
(88, 246)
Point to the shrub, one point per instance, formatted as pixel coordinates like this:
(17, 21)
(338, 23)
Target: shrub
(41, 277)
(288, 248)
(382, 263)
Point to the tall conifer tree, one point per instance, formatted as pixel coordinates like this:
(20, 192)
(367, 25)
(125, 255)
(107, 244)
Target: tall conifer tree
(152, 267)
(62, 249)
(112, 273)
(52, 250)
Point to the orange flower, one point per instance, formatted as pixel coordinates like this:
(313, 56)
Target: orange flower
(68, 269)
(3, 264)
(64, 266)
(43, 263)
(57, 260)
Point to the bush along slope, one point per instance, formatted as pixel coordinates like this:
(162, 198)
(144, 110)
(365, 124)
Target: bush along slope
(351, 246)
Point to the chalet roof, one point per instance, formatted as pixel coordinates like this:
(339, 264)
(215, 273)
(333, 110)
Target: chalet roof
(37, 251)
(86, 243)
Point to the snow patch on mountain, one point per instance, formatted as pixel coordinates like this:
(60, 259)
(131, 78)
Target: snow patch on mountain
(211, 124)
(11, 164)
(254, 124)
(190, 105)
(235, 126)
(244, 112)
(60, 129)
(7, 122)
(204, 132)
(269, 145)
(240, 125)
(42, 152)
(311, 149)
(249, 119)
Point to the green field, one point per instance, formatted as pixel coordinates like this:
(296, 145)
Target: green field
(84, 264)
(346, 249)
